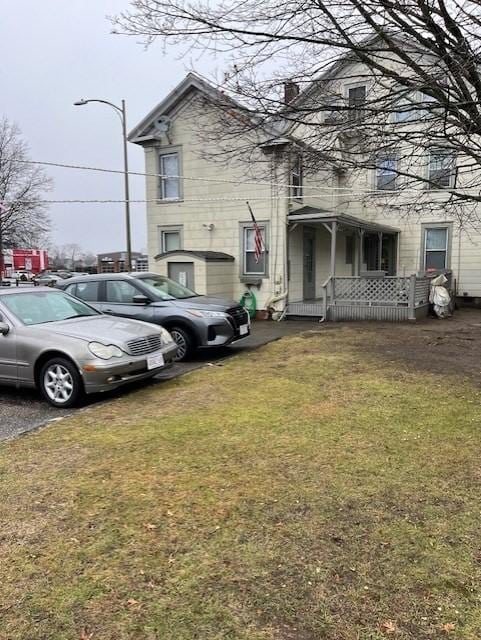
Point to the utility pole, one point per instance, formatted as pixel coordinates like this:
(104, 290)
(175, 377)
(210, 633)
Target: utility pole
(3, 208)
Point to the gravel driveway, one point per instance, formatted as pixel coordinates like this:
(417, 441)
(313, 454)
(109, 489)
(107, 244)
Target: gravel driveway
(22, 411)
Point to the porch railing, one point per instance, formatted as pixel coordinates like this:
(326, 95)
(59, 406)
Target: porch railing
(364, 297)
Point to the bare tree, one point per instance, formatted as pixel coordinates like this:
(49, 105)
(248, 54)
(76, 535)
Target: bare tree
(23, 217)
(417, 126)
(73, 252)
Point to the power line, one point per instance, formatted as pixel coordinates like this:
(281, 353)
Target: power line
(323, 190)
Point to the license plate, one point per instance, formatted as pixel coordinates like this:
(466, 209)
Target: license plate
(155, 361)
(244, 329)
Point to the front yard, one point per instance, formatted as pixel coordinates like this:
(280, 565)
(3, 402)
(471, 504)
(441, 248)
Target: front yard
(318, 488)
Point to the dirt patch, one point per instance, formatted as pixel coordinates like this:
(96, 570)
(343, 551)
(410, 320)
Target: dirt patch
(451, 346)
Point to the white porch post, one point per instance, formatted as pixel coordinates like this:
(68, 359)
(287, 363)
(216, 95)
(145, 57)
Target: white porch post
(361, 251)
(379, 251)
(333, 247)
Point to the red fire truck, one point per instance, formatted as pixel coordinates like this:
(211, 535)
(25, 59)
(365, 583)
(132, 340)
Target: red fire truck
(31, 260)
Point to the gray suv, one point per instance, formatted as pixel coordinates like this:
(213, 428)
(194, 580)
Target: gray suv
(192, 320)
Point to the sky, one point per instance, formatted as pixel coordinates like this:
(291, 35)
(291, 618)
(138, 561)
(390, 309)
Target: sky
(53, 53)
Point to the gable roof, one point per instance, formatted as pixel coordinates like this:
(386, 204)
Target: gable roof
(192, 82)
(166, 106)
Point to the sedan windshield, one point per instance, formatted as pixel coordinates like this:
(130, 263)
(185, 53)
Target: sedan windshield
(38, 307)
(167, 289)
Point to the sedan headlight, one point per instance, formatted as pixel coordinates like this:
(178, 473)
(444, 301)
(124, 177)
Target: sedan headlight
(165, 335)
(105, 351)
(203, 313)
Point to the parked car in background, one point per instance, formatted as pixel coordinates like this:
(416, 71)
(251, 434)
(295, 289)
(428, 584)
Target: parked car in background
(50, 278)
(193, 320)
(23, 275)
(65, 348)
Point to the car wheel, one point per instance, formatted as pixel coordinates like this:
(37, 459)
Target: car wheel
(60, 383)
(184, 342)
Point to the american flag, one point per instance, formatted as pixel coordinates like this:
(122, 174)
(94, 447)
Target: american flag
(258, 241)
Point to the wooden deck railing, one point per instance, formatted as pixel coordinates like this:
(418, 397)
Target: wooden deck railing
(381, 298)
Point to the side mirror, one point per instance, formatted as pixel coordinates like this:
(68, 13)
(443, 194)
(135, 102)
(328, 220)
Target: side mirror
(140, 299)
(4, 328)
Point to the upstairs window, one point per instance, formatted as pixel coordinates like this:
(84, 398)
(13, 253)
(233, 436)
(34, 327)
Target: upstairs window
(441, 168)
(296, 178)
(386, 174)
(407, 109)
(169, 169)
(356, 97)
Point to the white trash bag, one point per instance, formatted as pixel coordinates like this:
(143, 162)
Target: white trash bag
(439, 296)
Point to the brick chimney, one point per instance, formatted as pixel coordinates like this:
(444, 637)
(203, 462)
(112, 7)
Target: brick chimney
(291, 91)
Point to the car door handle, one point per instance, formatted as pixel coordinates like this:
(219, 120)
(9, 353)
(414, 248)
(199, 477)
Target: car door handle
(108, 310)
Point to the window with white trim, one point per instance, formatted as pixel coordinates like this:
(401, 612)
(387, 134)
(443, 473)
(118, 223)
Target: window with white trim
(436, 243)
(386, 173)
(356, 98)
(296, 178)
(441, 168)
(170, 240)
(407, 109)
(252, 265)
(169, 169)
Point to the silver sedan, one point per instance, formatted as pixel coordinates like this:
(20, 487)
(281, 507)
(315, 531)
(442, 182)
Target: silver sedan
(65, 348)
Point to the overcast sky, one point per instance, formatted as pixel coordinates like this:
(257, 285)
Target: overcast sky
(53, 53)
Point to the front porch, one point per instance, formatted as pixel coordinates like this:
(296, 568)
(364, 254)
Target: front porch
(344, 268)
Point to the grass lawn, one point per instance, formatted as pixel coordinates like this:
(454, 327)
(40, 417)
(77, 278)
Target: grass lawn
(305, 491)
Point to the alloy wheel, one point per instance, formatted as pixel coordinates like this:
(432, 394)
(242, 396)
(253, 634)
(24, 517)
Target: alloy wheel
(58, 383)
(181, 343)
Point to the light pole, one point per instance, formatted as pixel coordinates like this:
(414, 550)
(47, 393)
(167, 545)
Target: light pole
(123, 119)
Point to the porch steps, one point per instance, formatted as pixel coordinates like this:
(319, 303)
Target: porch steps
(309, 310)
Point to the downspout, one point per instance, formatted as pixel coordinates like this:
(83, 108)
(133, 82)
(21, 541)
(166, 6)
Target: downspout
(283, 296)
(459, 260)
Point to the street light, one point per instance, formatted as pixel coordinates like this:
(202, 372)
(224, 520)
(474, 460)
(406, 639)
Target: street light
(123, 119)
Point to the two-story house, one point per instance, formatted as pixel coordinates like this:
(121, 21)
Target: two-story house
(325, 243)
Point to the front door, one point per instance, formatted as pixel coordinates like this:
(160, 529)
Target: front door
(183, 273)
(309, 264)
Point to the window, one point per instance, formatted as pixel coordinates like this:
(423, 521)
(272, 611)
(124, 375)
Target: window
(120, 291)
(356, 100)
(407, 109)
(414, 106)
(87, 291)
(107, 267)
(441, 168)
(296, 178)
(169, 168)
(250, 265)
(170, 238)
(357, 96)
(386, 174)
(436, 248)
